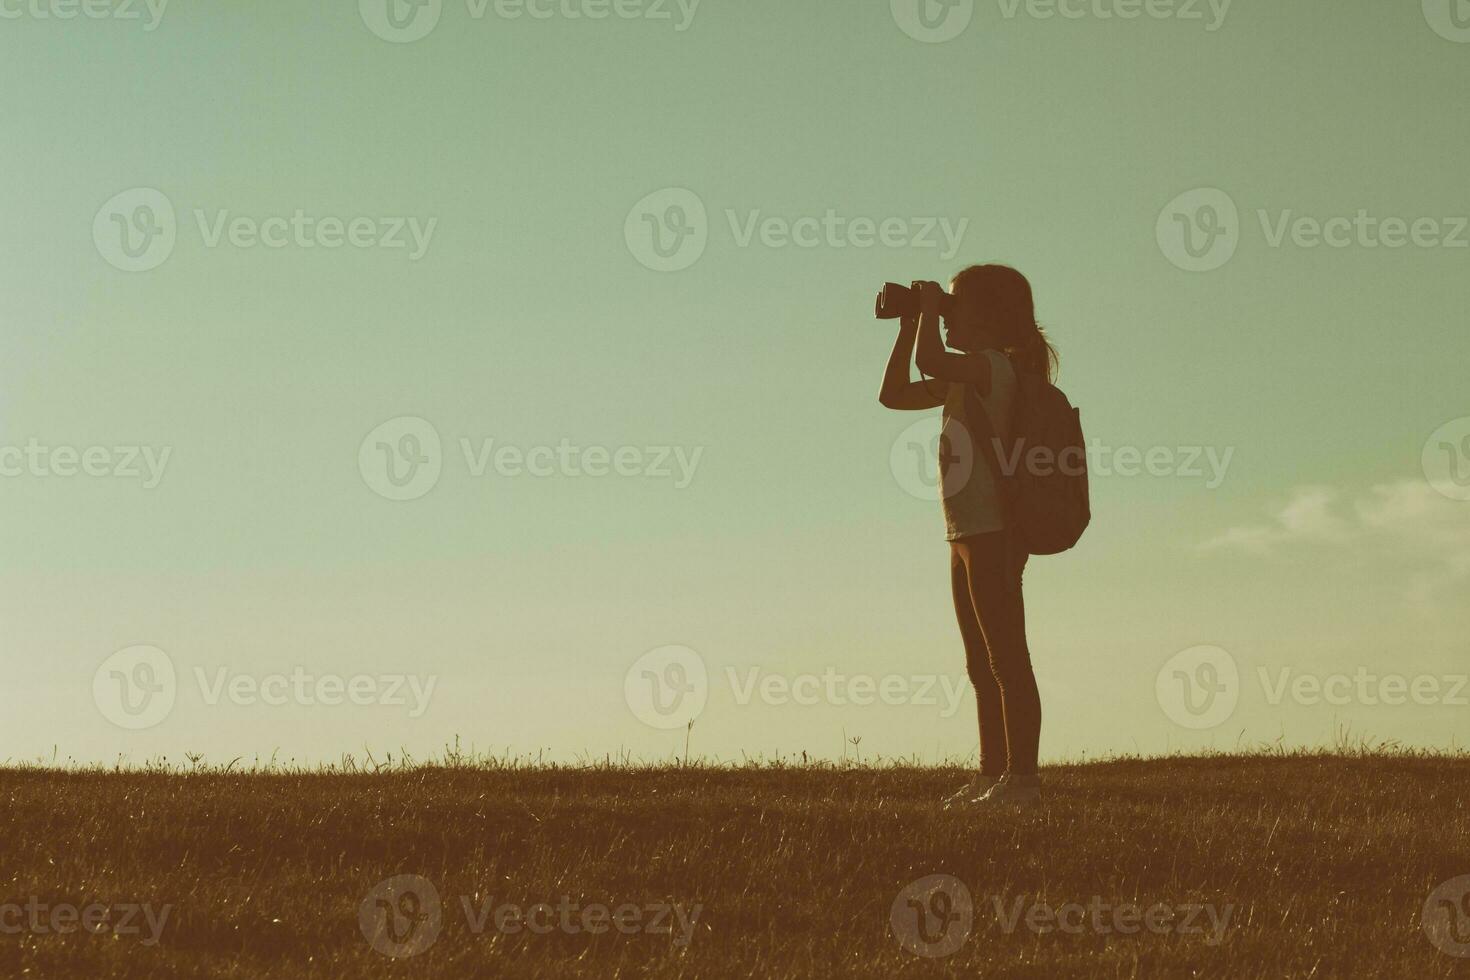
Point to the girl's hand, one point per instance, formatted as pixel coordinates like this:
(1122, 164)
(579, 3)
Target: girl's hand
(930, 294)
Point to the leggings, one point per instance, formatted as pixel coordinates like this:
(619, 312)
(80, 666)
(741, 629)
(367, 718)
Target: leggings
(985, 577)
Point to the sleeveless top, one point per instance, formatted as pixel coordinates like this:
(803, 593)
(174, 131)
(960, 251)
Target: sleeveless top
(967, 489)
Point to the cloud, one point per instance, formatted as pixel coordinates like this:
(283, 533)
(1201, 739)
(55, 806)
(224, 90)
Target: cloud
(1308, 516)
(1407, 521)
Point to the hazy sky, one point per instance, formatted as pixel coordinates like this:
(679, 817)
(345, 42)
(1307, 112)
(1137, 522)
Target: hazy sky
(242, 238)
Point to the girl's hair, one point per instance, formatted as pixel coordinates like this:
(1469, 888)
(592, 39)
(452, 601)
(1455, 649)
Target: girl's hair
(1008, 294)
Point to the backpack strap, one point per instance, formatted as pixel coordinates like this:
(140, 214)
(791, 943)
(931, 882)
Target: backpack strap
(982, 429)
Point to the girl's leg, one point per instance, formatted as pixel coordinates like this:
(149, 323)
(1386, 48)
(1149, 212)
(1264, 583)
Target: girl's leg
(995, 593)
(993, 750)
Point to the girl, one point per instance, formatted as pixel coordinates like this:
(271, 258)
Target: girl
(992, 334)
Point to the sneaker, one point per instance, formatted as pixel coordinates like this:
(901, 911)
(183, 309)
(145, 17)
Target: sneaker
(1018, 790)
(971, 792)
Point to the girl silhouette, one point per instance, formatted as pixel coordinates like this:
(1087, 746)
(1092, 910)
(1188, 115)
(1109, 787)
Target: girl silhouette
(991, 337)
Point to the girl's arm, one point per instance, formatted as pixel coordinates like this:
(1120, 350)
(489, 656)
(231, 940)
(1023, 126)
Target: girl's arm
(931, 355)
(899, 391)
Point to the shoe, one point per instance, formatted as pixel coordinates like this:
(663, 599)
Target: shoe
(971, 792)
(1016, 790)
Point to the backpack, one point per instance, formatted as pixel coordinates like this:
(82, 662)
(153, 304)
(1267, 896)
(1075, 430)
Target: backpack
(1041, 469)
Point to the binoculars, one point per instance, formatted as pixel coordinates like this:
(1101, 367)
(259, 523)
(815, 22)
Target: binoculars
(896, 301)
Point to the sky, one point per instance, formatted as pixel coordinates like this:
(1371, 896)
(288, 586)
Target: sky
(374, 377)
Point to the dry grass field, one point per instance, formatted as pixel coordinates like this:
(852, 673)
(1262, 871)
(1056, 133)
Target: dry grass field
(1268, 865)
